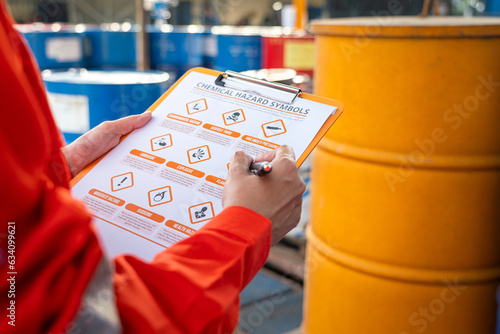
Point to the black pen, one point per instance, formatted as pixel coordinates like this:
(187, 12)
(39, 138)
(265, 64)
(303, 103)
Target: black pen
(260, 168)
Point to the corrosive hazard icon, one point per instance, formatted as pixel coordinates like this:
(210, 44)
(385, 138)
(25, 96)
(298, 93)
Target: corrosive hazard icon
(161, 142)
(196, 106)
(273, 128)
(160, 196)
(198, 154)
(233, 117)
(122, 181)
(201, 212)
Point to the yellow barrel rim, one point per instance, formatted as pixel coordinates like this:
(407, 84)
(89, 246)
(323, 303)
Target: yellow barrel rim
(409, 26)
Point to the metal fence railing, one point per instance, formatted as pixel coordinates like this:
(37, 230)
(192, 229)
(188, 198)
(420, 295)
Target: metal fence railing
(22, 10)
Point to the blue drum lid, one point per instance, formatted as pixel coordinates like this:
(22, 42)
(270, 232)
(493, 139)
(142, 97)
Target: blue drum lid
(95, 77)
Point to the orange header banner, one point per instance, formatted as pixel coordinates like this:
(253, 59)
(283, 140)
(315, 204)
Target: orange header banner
(260, 142)
(148, 156)
(184, 119)
(187, 170)
(214, 179)
(145, 213)
(106, 197)
(220, 130)
(179, 227)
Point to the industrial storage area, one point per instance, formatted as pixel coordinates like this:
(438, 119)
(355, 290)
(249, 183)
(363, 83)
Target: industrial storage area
(398, 226)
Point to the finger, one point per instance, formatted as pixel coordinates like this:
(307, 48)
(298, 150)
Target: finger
(285, 160)
(266, 156)
(271, 155)
(143, 119)
(240, 163)
(285, 151)
(127, 124)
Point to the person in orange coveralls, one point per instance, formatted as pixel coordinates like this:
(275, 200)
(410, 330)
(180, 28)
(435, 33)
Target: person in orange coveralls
(57, 279)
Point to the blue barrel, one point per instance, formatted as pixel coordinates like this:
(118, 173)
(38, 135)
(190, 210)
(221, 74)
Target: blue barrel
(111, 46)
(492, 8)
(209, 49)
(176, 49)
(238, 49)
(55, 46)
(82, 99)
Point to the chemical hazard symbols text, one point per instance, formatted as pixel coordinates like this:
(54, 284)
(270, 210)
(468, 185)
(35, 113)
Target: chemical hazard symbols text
(198, 154)
(201, 212)
(122, 181)
(233, 117)
(196, 106)
(160, 196)
(273, 128)
(161, 142)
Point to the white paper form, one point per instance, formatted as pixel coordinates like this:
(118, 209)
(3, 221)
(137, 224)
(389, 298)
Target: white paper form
(164, 181)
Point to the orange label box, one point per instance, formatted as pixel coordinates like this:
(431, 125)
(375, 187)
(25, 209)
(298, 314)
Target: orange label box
(184, 119)
(148, 156)
(260, 142)
(145, 213)
(106, 197)
(184, 169)
(217, 180)
(221, 130)
(179, 227)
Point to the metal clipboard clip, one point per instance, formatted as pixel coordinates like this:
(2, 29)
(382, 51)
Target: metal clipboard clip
(275, 91)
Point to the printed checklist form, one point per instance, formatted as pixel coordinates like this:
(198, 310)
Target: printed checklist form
(164, 182)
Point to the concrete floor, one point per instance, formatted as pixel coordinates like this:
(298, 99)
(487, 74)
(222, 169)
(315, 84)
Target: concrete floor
(271, 304)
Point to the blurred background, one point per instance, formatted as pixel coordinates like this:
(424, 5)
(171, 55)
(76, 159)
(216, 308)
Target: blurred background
(261, 12)
(400, 229)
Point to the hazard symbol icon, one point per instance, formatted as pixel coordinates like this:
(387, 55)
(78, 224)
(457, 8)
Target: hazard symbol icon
(122, 181)
(233, 117)
(273, 128)
(201, 212)
(160, 196)
(196, 106)
(161, 142)
(198, 154)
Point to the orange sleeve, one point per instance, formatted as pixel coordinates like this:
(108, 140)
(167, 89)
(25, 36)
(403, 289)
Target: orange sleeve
(194, 286)
(55, 252)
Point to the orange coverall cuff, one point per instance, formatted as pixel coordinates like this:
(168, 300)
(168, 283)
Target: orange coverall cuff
(243, 222)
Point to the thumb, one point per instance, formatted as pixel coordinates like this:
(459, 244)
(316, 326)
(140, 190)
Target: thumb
(240, 164)
(127, 124)
(285, 152)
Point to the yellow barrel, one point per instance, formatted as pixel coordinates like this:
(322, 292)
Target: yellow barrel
(405, 217)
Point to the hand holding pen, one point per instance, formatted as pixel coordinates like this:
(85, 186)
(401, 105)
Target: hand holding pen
(276, 195)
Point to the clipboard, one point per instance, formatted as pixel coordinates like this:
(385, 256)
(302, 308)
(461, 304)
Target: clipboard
(166, 192)
(283, 93)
